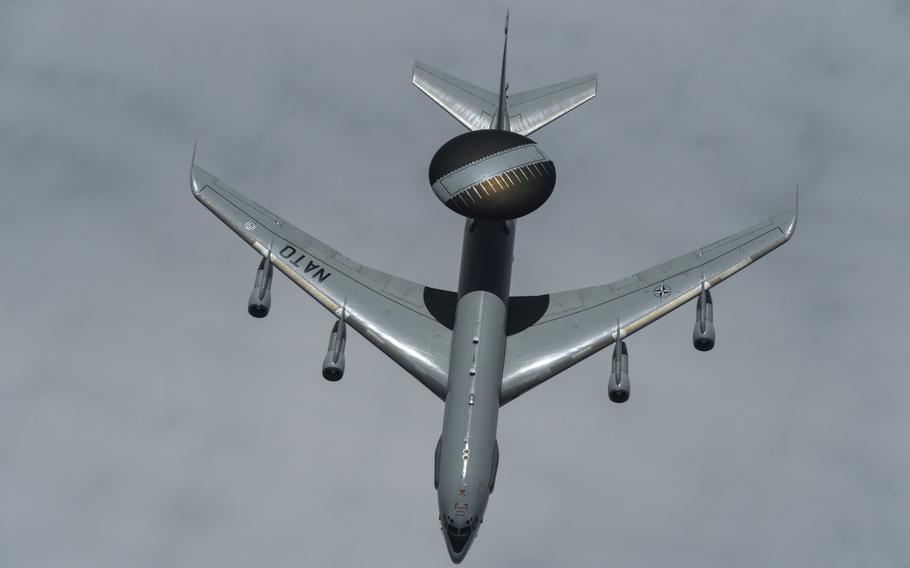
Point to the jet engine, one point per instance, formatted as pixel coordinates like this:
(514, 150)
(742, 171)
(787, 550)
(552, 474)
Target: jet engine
(333, 364)
(620, 387)
(261, 296)
(703, 334)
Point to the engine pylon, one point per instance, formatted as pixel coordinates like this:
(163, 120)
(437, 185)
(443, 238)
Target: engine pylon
(620, 387)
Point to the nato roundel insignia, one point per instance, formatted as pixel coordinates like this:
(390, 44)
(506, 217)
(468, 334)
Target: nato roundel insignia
(661, 291)
(492, 175)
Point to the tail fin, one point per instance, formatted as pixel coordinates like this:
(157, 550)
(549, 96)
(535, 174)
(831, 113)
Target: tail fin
(502, 114)
(479, 109)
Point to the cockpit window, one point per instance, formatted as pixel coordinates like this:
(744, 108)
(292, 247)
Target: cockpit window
(448, 523)
(458, 537)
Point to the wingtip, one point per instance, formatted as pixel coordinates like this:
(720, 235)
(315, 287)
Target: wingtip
(199, 178)
(194, 186)
(786, 221)
(792, 228)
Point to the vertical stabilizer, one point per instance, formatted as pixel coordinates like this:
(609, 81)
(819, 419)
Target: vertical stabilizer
(502, 111)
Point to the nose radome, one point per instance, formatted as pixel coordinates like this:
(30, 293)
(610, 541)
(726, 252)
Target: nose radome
(458, 540)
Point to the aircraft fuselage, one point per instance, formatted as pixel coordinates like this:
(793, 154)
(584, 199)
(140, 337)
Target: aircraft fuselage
(468, 451)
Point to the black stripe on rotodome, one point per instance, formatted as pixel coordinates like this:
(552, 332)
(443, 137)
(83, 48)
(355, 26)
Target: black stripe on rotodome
(470, 147)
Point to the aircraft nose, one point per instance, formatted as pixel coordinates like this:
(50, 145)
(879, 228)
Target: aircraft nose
(458, 540)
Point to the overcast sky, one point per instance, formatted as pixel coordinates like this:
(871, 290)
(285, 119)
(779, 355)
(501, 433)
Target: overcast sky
(147, 420)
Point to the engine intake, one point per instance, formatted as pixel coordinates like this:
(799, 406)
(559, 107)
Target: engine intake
(703, 335)
(261, 296)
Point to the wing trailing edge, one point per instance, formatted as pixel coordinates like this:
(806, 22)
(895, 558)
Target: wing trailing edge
(579, 323)
(479, 109)
(532, 110)
(472, 106)
(390, 312)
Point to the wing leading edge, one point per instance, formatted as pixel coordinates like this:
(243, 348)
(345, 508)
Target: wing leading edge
(579, 323)
(388, 311)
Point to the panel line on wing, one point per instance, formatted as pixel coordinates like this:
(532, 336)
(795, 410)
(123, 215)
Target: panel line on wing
(712, 281)
(296, 277)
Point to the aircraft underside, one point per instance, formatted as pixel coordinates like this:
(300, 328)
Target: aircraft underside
(478, 348)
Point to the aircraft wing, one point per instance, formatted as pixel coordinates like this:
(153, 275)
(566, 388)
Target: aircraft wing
(472, 106)
(578, 323)
(390, 312)
(531, 110)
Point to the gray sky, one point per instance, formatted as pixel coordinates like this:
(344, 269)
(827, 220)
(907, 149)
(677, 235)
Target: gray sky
(147, 420)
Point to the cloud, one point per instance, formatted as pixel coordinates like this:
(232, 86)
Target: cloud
(145, 419)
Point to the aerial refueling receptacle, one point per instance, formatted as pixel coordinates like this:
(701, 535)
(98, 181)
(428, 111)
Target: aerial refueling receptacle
(492, 175)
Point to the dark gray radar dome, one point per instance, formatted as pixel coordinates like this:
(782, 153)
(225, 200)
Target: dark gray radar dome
(492, 175)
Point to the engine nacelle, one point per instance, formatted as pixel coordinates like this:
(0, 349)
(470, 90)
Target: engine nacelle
(703, 334)
(261, 296)
(333, 364)
(620, 388)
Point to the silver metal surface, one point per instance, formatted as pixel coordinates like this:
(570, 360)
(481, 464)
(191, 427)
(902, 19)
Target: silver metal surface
(472, 106)
(477, 108)
(388, 311)
(466, 456)
(532, 110)
(501, 121)
(579, 323)
(476, 367)
(703, 334)
(261, 297)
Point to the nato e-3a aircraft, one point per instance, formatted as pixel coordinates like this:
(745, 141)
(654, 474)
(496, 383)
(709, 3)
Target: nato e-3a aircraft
(479, 348)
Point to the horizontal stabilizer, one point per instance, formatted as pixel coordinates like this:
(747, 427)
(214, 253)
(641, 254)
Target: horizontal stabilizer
(531, 110)
(472, 106)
